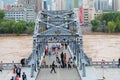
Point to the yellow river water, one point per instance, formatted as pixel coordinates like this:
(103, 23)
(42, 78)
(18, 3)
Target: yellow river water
(13, 48)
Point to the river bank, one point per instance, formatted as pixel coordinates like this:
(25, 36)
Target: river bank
(4, 35)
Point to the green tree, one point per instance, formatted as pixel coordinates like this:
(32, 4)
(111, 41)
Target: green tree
(10, 24)
(111, 26)
(99, 17)
(23, 24)
(31, 24)
(19, 27)
(117, 29)
(2, 14)
(30, 27)
(95, 24)
(3, 27)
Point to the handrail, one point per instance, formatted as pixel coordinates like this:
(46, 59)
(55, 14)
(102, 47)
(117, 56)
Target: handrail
(106, 63)
(9, 66)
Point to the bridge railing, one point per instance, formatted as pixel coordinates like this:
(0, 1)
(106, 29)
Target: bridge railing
(106, 63)
(9, 66)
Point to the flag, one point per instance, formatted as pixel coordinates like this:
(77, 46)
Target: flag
(80, 15)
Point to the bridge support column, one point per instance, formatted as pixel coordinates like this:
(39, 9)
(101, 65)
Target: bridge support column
(84, 71)
(32, 70)
(81, 59)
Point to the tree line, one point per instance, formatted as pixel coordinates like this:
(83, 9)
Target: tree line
(15, 27)
(107, 22)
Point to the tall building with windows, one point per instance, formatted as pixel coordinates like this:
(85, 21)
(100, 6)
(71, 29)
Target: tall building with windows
(1, 4)
(87, 10)
(118, 3)
(30, 6)
(17, 12)
(60, 4)
(104, 5)
(39, 5)
(101, 5)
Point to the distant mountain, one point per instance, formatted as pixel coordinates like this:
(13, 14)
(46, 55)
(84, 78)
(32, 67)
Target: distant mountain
(9, 1)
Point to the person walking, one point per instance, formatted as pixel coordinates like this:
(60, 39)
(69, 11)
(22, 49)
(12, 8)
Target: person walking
(69, 63)
(50, 54)
(53, 67)
(24, 77)
(62, 61)
(23, 62)
(66, 45)
(1, 67)
(57, 56)
(65, 60)
(44, 61)
(18, 72)
(118, 62)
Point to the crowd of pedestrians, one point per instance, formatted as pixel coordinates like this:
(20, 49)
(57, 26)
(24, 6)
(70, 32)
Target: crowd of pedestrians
(60, 57)
(16, 74)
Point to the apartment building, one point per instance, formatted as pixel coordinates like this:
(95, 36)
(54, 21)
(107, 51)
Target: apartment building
(17, 12)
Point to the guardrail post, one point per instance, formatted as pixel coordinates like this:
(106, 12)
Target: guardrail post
(25, 62)
(83, 68)
(84, 71)
(90, 61)
(32, 70)
(13, 64)
(113, 63)
(1, 65)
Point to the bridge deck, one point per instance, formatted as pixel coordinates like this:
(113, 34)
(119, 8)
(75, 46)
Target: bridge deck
(62, 73)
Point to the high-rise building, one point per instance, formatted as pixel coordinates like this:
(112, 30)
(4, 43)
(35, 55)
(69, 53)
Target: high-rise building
(1, 4)
(104, 5)
(60, 4)
(111, 5)
(91, 3)
(86, 11)
(69, 4)
(19, 2)
(38, 5)
(54, 4)
(31, 9)
(116, 4)
(44, 4)
(80, 3)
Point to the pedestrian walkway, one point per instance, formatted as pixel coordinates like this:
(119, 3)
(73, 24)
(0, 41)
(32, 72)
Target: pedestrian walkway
(62, 73)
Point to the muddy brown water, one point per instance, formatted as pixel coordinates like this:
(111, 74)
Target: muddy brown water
(13, 48)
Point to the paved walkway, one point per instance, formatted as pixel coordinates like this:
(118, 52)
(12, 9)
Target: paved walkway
(62, 73)
(108, 73)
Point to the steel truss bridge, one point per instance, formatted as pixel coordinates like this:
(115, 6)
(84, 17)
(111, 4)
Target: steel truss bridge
(64, 27)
